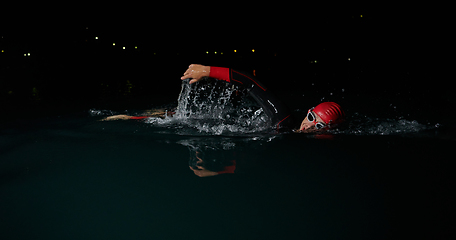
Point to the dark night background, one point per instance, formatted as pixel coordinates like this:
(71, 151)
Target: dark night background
(387, 64)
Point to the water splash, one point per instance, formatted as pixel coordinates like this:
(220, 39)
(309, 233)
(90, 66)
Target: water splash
(359, 124)
(95, 112)
(215, 108)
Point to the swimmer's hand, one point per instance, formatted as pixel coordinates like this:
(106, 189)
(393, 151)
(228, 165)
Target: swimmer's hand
(196, 72)
(202, 172)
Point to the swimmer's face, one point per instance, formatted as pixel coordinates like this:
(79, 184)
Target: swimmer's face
(310, 126)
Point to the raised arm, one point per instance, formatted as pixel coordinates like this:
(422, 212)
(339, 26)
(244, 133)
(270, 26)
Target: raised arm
(196, 72)
(278, 112)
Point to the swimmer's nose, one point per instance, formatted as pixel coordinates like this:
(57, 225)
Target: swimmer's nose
(306, 126)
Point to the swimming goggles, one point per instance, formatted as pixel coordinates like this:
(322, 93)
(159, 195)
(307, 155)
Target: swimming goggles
(311, 118)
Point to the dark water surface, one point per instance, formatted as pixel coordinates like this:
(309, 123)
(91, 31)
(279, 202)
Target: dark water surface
(66, 175)
(386, 174)
(73, 177)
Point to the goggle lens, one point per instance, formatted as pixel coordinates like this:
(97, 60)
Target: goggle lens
(319, 125)
(311, 118)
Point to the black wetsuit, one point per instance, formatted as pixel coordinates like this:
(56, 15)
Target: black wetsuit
(279, 114)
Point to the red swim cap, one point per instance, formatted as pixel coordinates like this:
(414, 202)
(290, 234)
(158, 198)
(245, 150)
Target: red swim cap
(330, 112)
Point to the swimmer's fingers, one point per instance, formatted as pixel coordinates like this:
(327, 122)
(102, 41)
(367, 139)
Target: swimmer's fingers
(188, 73)
(189, 69)
(194, 80)
(196, 72)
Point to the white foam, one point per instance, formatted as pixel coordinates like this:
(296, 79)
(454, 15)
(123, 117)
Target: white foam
(359, 124)
(207, 109)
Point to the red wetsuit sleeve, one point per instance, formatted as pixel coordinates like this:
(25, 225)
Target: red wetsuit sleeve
(138, 118)
(220, 73)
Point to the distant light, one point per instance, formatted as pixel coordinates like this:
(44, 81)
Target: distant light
(215, 52)
(25, 54)
(28, 54)
(3, 50)
(253, 50)
(349, 59)
(136, 47)
(123, 48)
(113, 43)
(221, 53)
(207, 52)
(96, 38)
(235, 50)
(361, 16)
(87, 28)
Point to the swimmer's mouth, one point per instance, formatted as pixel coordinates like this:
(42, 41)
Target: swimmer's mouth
(309, 130)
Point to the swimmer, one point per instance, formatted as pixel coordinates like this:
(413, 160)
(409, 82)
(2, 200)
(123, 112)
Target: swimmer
(320, 118)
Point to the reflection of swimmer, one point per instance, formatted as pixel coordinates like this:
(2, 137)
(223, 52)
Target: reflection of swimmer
(208, 168)
(323, 116)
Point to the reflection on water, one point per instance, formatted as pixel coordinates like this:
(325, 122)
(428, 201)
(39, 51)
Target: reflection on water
(211, 157)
